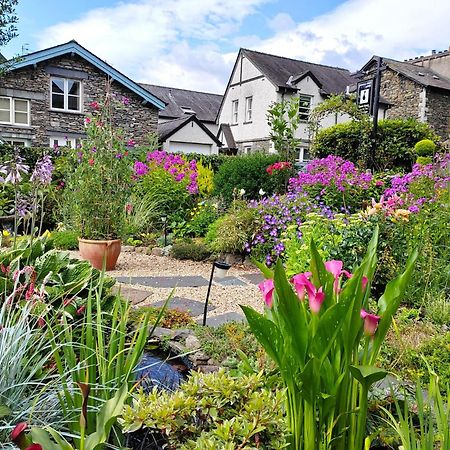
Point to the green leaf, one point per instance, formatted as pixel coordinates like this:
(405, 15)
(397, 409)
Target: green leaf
(367, 375)
(42, 437)
(263, 268)
(106, 418)
(266, 332)
(4, 411)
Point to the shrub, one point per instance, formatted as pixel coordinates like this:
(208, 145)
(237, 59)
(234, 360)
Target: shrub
(205, 180)
(395, 142)
(64, 240)
(212, 411)
(198, 221)
(190, 249)
(230, 233)
(212, 161)
(248, 172)
(424, 160)
(425, 147)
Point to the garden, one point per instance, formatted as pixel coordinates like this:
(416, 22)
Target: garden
(351, 346)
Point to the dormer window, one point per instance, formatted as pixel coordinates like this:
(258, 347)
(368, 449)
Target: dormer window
(187, 110)
(65, 94)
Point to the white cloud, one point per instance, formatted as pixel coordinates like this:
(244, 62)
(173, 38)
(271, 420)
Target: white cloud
(193, 43)
(349, 35)
(171, 42)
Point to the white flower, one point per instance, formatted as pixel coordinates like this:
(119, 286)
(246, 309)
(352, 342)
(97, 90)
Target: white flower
(242, 192)
(261, 192)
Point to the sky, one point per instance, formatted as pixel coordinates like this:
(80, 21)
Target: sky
(193, 44)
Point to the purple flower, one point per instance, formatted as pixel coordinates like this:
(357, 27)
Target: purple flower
(140, 168)
(13, 170)
(42, 173)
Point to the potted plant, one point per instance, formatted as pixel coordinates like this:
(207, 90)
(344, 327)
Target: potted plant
(98, 186)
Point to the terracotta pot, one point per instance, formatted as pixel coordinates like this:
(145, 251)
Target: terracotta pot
(96, 251)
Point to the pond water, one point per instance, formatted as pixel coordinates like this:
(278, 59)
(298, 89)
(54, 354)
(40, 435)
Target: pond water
(158, 369)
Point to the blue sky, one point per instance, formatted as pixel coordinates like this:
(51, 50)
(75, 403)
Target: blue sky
(193, 43)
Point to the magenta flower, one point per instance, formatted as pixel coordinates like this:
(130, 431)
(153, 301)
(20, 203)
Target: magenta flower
(315, 297)
(335, 268)
(267, 287)
(300, 282)
(370, 322)
(364, 282)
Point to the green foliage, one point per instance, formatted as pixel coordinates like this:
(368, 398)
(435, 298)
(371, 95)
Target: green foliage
(212, 161)
(170, 318)
(247, 172)
(283, 119)
(98, 186)
(395, 142)
(425, 147)
(205, 179)
(231, 232)
(64, 240)
(318, 352)
(198, 221)
(160, 188)
(195, 250)
(424, 160)
(225, 341)
(212, 411)
(142, 214)
(428, 427)
(8, 20)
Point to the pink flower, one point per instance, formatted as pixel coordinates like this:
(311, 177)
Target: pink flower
(267, 287)
(335, 268)
(87, 120)
(315, 297)
(34, 447)
(91, 162)
(94, 105)
(41, 322)
(364, 282)
(18, 430)
(300, 281)
(80, 310)
(370, 322)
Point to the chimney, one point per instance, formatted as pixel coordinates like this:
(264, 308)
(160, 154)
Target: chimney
(433, 52)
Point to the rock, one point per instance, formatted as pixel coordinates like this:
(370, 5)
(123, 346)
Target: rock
(212, 362)
(232, 259)
(176, 347)
(208, 368)
(166, 250)
(127, 248)
(192, 343)
(199, 358)
(160, 332)
(141, 249)
(157, 251)
(182, 333)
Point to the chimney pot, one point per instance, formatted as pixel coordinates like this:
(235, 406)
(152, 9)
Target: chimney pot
(433, 52)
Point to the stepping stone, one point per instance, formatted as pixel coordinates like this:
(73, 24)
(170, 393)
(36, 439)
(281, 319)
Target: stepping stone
(135, 296)
(230, 281)
(193, 307)
(221, 319)
(166, 282)
(254, 278)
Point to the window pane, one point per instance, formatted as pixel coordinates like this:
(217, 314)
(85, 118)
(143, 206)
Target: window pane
(21, 105)
(58, 86)
(73, 103)
(4, 103)
(73, 87)
(58, 101)
(20, 117)
(4, 116)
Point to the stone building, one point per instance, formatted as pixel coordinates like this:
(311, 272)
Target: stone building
(415, 91)
(45, 96)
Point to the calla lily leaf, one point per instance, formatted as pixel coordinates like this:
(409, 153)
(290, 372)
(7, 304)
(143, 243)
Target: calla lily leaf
(367, 375)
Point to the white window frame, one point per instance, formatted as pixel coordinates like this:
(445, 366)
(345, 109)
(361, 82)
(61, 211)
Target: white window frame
(247, 149)
(304, 110)
(248, 108)
(301, 155)
(66, 95)
(69, 141)
(234, 112)
(12, 111)
(25, 142)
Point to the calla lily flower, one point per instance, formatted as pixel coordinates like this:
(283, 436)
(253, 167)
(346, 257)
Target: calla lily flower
(315, 297)
(335, 268)
(300, 281)
(34, 447)
(18, 435)
(267, 287)
(364, 282)
(370, 322)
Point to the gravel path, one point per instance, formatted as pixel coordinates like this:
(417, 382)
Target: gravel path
(224, 298)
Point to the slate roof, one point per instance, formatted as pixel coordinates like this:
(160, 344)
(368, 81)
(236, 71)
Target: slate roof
(75, 48)
(278, 69)
(204, 104)
(421, 75)
(167, 129)
(228, 135)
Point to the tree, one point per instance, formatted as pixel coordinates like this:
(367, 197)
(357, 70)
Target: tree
(8, 19)
(283, 119)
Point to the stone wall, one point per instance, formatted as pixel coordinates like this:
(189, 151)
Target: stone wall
(260, 145)
(404, 94)
(438, 112)
(33, 83)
